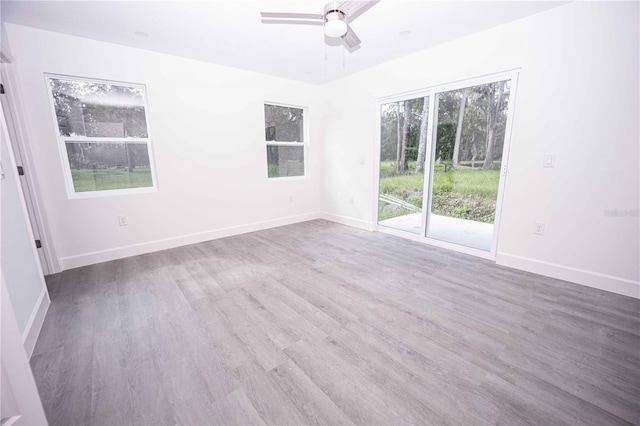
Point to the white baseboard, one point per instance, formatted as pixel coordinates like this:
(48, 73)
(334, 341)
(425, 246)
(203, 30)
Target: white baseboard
(610, 283)
(597, 280)
(618, 285)
(349, 221)
(168, 243)
(34, 325)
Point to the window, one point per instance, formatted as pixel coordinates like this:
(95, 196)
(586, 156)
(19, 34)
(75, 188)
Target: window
(285, 132)
(103, 135)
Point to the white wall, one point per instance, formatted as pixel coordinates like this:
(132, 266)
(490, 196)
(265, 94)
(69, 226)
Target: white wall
(207, 131)
(577, 98)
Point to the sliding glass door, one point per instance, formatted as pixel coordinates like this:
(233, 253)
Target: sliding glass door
(442, 162)
(403, 150)
(466, 158)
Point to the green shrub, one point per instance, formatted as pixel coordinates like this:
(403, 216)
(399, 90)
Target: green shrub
(465, 193)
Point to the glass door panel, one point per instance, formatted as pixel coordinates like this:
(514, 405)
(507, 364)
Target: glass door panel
(403, 136)
(469, 134)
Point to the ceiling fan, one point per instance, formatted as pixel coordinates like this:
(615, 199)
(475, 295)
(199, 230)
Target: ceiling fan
(336, 18)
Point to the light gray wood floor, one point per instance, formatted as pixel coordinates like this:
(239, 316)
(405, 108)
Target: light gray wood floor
(318, 323)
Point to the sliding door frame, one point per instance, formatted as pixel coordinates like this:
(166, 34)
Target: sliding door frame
(432, 92)
(420, 93)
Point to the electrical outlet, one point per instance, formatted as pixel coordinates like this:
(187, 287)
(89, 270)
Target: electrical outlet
(123, 221)
(538, 228)
(352, 199)
(549, 160)
(291, 198)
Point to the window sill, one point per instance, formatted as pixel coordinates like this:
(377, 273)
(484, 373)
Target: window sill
(286, 178)
(111, 193)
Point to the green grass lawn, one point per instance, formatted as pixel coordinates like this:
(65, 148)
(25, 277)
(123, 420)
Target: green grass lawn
(466, 193)
(85, 180)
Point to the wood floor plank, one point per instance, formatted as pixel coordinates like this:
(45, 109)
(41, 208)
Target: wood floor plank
(290, 321)
(268, 398)
(280, 334)
(71, 401)
(200, 273)
(302, 306)
(357, 395)
(263, 349)
(224, 341)
(579, 384)
(150, 393)
(107, 305)
(176, 348)
(452, 395)
(46, 368)
(235, 409)
(111, 402)
(544, 405)
(315, 405)
(319, 323)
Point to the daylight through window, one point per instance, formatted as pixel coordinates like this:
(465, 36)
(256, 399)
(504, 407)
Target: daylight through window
(285, 136)
(103, 135)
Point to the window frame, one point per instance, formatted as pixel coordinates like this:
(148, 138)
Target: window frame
(63, 140)
(304, 143)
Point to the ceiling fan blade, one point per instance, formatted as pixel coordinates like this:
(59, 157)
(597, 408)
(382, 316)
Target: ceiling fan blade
(285, 15)
(350, 39)
(355, 8)
(292, 21)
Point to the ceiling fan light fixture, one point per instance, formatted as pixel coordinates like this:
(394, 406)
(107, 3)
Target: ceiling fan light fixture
(335, 25)
(336, 18)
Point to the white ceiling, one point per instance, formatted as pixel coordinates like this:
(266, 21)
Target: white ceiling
(231, 33)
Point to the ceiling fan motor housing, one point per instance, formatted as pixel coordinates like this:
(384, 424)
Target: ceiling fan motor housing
(335, 20)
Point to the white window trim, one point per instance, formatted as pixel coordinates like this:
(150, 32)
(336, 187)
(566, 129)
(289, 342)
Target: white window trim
(82, 139)
(304, 144)
(62, 140)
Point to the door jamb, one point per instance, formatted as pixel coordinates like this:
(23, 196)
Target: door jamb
(17, 135)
